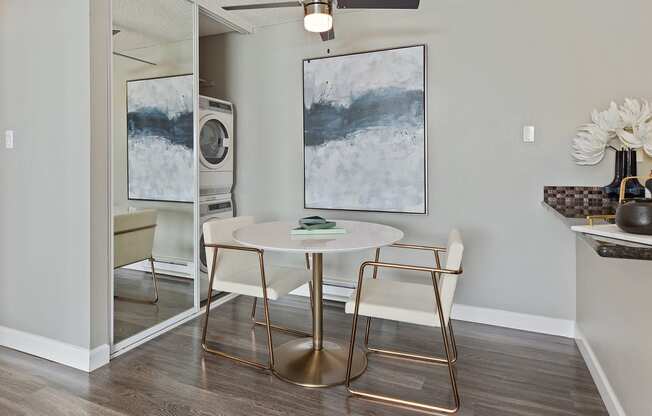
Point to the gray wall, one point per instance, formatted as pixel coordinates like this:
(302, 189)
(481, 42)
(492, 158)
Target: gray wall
(492, 68)
(45, 224)
(613, 316)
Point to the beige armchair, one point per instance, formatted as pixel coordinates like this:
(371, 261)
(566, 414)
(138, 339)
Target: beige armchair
(133, 240)
(238, 269)
(414, 303)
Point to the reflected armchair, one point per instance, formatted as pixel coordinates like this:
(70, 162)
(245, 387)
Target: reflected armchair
(133, 240)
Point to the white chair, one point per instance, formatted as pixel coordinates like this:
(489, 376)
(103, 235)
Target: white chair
(237, 269)
(133, 240)
(411, 303)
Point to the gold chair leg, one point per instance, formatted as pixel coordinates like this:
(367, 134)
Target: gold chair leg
(268, 324)
(204, 344)
(155, 279)
(453, 342)
(394, 400)
(148, 302)
(291, 331)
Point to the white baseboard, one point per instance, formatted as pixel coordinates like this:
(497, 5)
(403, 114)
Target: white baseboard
(515, 320)
(60, 352)
(337, 293)
(99, 357)
(496, 317)
(599, 376)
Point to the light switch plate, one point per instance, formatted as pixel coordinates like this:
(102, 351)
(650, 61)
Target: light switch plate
(528, 134)
(9, 139)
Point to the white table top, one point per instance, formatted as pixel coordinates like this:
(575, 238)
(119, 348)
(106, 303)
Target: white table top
(275, 236)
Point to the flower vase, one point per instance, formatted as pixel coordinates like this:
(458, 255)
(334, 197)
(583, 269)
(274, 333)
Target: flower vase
(624, 166)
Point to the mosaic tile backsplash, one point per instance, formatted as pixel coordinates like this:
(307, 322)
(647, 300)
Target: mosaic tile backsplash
(578, 201)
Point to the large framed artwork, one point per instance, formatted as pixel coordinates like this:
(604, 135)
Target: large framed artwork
(365, 131)
(160, 162)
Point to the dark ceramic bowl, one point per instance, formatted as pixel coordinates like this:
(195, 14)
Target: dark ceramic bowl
(635, 217)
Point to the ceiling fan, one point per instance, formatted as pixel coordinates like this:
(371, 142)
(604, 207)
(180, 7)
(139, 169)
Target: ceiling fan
(318, 14)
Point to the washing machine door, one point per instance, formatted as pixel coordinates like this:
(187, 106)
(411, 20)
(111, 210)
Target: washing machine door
(214, 143)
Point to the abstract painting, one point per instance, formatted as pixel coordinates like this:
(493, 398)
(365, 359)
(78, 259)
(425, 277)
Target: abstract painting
(364, 131)
(160, 163)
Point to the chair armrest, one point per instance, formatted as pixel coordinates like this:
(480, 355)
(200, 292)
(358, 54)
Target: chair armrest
(234, 247)
(435, 251)
(261, 264)
(419, 247)
(409, 267)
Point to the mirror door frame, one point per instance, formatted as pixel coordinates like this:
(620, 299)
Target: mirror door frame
(141, 337)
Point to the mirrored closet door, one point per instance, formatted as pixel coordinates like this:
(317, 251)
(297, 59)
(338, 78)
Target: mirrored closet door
(153, 168)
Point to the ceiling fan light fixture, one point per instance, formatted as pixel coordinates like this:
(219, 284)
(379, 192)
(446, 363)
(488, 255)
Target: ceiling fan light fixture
(318, 17)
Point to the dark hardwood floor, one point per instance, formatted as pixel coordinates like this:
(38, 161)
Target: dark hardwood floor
(501, 372)
(176, 295)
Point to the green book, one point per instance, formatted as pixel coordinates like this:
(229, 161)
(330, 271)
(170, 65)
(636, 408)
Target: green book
(303, 231)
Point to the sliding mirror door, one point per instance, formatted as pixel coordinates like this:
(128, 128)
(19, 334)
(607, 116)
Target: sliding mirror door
(153, 167)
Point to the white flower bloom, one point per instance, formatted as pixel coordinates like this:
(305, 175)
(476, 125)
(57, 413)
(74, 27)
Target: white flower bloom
(630, 140)
(609, 120)
(631, 124)
(633, 113)
(647, 148)
(589, 145)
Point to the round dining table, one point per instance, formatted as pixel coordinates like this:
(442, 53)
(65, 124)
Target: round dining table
(317, 362)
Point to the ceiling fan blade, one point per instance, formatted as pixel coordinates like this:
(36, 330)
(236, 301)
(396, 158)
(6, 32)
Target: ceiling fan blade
(326, 36)
(264, 6)
(377, 4)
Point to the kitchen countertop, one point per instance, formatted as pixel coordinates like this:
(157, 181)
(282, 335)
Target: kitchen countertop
(573, 212)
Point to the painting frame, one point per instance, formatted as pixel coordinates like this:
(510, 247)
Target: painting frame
(424, 57)
(127, 82)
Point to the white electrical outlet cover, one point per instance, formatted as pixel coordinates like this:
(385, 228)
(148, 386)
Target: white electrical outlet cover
(9, 139)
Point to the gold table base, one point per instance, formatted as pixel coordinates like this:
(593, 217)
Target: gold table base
(297, 362)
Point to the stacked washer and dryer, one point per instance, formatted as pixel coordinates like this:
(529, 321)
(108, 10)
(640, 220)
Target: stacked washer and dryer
(216, 156)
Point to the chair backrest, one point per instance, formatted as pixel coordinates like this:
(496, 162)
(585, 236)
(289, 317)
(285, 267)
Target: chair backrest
(133, 237)
(220, 231)
(448, 282)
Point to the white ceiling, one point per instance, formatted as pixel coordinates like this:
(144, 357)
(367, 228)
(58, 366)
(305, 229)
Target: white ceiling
(264, 17)
(144, 23)
(270, 17)
(210, 27)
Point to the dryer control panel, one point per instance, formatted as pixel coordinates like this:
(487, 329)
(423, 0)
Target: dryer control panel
(216, 207)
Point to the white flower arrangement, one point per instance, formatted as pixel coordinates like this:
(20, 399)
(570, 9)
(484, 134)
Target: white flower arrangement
(630, 124)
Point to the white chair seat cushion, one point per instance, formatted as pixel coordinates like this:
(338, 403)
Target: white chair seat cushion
(397, 301)
(280, 281)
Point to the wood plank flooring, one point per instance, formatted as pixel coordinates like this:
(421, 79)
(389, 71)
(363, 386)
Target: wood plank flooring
(501, 372)
(176, 295)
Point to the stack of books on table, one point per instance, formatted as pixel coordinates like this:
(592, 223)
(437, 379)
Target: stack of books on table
(316, 226)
